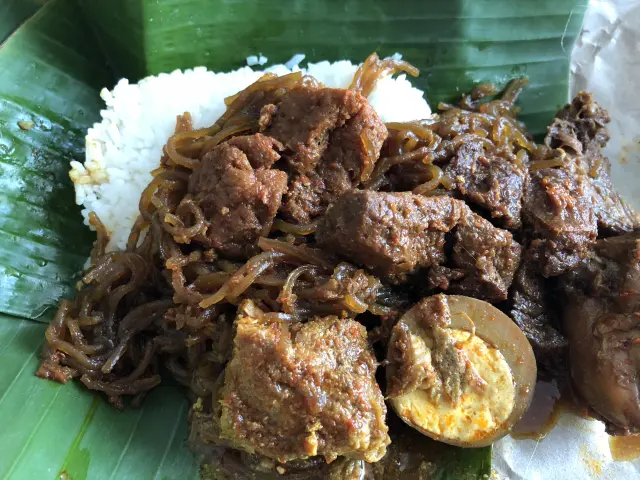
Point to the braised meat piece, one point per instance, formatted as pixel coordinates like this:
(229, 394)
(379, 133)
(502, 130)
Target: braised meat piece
(294, 391)
(392, 234)
(558, 209)
(601, 317)
(482, 262)
(567, 207)
(486, 258)
(580, 130)
(304, 199)
(306, 119)
(489, 181)
(310, 195)
(238, 192)
(531, 308)
(332, 139)
(397, 234)
(483, 158)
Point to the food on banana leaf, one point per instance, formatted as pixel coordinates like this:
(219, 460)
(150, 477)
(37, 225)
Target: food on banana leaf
(270, 251)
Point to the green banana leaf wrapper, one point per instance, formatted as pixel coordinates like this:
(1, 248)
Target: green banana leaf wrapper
(55, 57)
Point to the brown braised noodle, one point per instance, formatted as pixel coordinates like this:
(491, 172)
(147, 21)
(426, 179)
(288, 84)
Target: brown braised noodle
(167, 303)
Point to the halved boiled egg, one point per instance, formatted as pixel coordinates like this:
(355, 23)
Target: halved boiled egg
(459, 371)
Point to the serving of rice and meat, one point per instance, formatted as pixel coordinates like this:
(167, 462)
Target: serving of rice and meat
(126, 146)
(303, 247)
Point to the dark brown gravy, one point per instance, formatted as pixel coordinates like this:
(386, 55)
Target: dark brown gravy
(543, 413)
(550, 400)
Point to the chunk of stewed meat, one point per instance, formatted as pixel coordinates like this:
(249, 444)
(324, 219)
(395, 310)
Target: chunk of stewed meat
(532, 308)
(486, 258)
(310, 195)
(238, 192)
(559, 211)
(580, 131)
(314, 124)
(486, 171)
(392, 234)
(297, 390)
(397, 235)
(489, 181)
(566, 207)
(332, 139)
(601, 317)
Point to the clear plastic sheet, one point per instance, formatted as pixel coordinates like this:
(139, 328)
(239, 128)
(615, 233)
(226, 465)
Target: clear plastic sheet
(606, 61)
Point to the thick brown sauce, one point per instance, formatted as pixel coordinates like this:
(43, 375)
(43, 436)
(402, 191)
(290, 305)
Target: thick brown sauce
(550, 400)
(543, 413)
(625, 449)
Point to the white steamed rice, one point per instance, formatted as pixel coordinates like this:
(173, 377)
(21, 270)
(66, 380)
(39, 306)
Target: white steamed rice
(126, 145)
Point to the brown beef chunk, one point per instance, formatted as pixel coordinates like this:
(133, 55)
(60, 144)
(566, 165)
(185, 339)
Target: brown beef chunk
(601, 317)
(393, 235)
(304, 119)
(489, 181)
(481, 170)
(304, 199)
(397, 234)
(482, 263)
(486, 256)
(580, 130)
(261, 151)
(559, 211)
(314, 124)
(310, 195)
(567, 207)
(238, 192)
(294, 391)
(332, 138)
(531, 308)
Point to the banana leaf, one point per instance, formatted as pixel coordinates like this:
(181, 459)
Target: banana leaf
(455, 43)
(52, 431)
(14, 12)
(51, 70)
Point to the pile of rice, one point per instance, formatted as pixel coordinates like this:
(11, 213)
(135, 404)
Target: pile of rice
(126, 145)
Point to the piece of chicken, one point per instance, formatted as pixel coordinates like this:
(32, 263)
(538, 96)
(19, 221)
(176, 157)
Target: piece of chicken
(602, 321)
